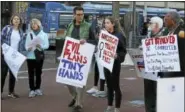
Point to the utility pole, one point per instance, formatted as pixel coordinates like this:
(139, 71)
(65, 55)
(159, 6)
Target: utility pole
(145, 12)
(134, 24)
(166, 4)
(115, 9)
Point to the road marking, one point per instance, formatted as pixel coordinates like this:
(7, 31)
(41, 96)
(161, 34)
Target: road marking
(132, 69)
(22, 77)
(130, 78)
(45, 69)
(137, 103)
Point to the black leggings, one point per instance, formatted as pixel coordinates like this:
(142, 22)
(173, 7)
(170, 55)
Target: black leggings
(96, 78)
(4, 72)
(113, 84)
(34, 69)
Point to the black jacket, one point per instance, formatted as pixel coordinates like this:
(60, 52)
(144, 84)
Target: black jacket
(121, 49)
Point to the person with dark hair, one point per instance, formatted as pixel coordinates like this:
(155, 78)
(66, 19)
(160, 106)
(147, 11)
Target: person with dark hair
(174, 26)
(81, 30)
(11, 35)
(113, 27)
(78, 8)
(145, 29)
(94, 90)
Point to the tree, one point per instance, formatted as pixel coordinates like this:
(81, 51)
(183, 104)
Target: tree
(115, 9)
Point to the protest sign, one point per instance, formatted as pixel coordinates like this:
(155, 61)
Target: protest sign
(138, 60)
(161, 54)
(107, 47)
(75, 63)
(170, 95)
(13, 58)
(100, 68)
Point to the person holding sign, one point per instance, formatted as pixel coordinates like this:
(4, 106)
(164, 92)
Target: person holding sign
(11, 35)
(113, 27)
(174, 26)
(150, 86)
(39, 37)
(98, 69)
(81, 30)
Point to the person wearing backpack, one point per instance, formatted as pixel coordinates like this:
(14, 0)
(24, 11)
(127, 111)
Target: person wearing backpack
(35, 56)
(11, 35)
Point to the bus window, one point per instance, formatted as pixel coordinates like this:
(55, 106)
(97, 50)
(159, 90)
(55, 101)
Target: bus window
(36, 15)
(64, 20)
(53, 21)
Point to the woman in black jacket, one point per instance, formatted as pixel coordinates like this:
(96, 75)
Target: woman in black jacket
(113, 79)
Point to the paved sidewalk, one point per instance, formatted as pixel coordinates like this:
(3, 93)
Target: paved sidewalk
(56, 96)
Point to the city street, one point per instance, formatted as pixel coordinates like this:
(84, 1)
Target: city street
(56, 96)
(156, 28)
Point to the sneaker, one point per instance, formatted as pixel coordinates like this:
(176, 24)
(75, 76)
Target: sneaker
(101, 94)
(116, 110)
(92, 90)
(72, 103)
(109, 110)
(38, 92)
(32, 94)
(13, 95)
(77, 109)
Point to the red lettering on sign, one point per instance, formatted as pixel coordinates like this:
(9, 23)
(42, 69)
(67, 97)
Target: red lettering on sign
(71, 52)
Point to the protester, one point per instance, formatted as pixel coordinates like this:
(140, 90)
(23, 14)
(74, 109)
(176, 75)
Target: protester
(113, 79)
(94, 90)
(175, 26)
(81, 30)
(35, 65)
(150, 86)
(11, 35)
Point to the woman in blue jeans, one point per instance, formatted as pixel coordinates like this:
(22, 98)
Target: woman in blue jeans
(11, 35)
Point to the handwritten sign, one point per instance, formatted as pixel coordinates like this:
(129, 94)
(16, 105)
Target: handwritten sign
(13, 58)
(161, 54)
(107, 47)
(75, 63)
(138, 60)
(170, 95)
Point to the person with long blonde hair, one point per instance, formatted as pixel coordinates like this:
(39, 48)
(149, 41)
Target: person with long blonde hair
(34, 65)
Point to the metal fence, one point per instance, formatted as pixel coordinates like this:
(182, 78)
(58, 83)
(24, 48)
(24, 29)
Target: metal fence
(136, 41)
